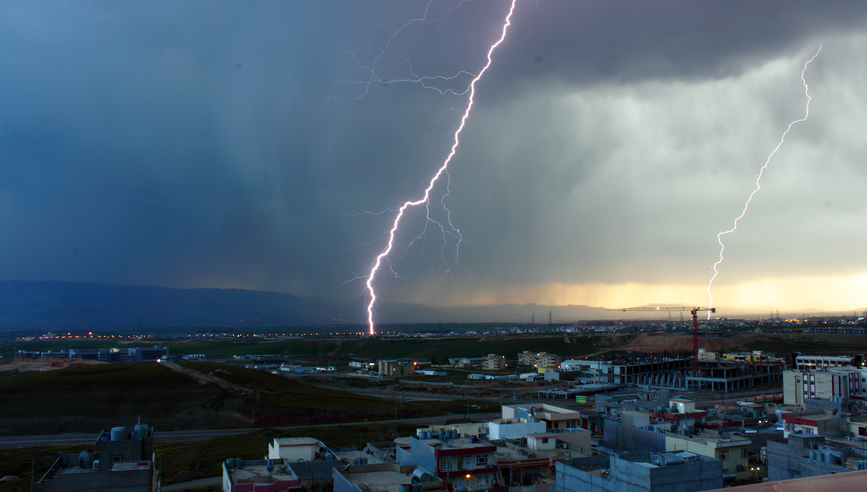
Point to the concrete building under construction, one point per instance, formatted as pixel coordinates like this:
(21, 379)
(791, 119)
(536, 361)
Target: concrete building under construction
(676, 369)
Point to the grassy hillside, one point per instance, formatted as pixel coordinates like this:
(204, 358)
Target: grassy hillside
(87, 399)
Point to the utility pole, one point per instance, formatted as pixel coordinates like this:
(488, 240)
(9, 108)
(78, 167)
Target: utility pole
(533, 318)
(550, 319)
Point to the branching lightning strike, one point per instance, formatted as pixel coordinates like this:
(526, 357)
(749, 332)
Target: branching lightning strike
(443, 169)
(759, 179)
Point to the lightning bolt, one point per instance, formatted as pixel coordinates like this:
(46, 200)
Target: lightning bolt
(759, 179)
(443, 169)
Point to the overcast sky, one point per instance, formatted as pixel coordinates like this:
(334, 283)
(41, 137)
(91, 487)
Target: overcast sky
(238, 144)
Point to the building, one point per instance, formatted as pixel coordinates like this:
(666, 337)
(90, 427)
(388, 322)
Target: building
(574, 365)
(808, 455)
(612, 404)
(554, 417)
(126, 354)
(639, 472)
(808, 362)
(463, 463)
(823, 423)
(527, 358)
(374, 469)
(297, 449)
(493, 362)
(395, 368)
(754, 356)
(829, 384)
(539, 359)
(705, 355)
(259, 476)
(545, 360)
(529, 460)
(123, 461)
(643, 369)
(731, 450)
(681, 414)
(514, 428)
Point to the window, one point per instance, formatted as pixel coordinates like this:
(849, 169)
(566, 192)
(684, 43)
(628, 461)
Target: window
(482, 460)
(743, 452)
(482, 482)
(445, 463)
(724, 455)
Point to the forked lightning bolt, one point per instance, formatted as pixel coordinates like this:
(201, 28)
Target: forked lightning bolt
(759, 179)
(443, 169)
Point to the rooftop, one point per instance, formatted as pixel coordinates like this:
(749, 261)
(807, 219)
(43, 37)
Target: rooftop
(504, 453)
(116, 467)
(352, 455)
(256, 472)
(296, 441)
(457, 443)
(382, 481)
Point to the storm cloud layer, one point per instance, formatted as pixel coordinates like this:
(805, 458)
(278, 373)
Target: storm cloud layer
(230, 144)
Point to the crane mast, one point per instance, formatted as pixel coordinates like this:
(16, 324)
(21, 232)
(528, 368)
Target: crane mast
(692, 310)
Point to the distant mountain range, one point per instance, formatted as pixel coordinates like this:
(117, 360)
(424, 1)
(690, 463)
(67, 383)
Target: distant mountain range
(69, 305)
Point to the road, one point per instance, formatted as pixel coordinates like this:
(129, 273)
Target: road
(203, 435)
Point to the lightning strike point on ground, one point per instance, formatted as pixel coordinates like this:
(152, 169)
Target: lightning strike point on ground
(759, 179)
(377, 263)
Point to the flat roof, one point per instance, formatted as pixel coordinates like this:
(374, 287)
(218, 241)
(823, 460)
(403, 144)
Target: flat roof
(260, 474)
(509, 454)
(296, 441)
(387, 481)
(457, 443)
(351, 455)
(131, 465)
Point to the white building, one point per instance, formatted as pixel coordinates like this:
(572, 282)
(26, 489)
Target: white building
(807, 362)
(514, 428)
(296, 449)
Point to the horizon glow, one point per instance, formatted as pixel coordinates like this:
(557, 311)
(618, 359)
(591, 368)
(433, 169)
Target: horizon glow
(759, 179)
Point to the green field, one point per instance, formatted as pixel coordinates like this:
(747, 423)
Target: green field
(331, 347)
(87, 399)
(421, 348)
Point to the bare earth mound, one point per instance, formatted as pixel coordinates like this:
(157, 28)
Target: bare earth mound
(658, 341)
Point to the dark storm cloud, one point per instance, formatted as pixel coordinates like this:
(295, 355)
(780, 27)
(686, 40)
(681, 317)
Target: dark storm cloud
(218, 144)
(626, 40)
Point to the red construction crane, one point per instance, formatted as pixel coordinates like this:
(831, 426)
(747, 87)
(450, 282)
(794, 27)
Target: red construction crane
(692, 310)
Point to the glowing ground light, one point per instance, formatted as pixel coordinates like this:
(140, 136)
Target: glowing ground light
(759, 179)
(377, 263)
